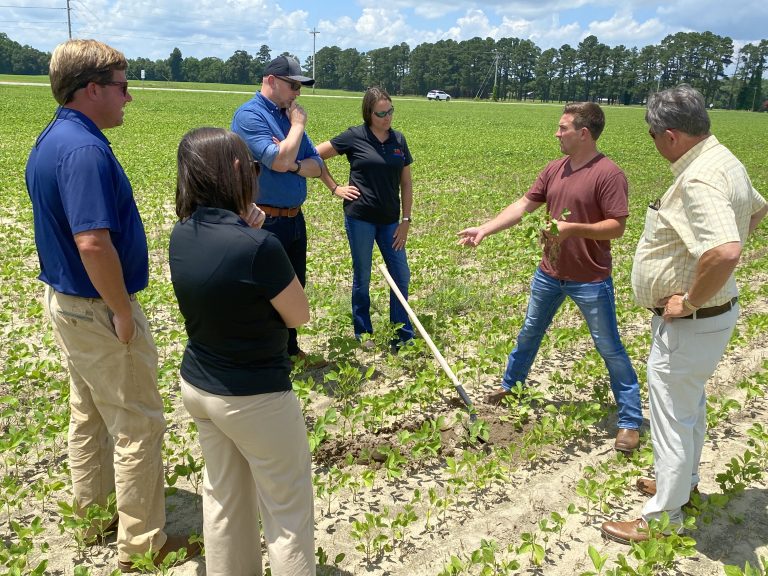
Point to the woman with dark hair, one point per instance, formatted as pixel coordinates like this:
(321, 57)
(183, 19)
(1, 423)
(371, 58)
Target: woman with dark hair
(379, 184)
(239, 295)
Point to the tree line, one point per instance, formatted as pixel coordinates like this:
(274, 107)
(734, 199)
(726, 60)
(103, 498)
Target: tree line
(504, 69)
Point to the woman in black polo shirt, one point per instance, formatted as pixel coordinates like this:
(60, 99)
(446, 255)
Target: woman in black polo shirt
(239, 295)
(379, 184)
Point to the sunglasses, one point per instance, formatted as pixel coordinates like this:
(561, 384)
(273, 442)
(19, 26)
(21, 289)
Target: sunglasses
(256, 167)
(295, 84)
(652, 135)
(386, 113)
(122, 85)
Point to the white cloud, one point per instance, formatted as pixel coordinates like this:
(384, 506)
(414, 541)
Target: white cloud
(624, 29)
(152, 28)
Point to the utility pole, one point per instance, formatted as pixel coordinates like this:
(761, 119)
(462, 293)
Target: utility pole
(495, 78)
(733, 80)
(69, 20)
(314, 33)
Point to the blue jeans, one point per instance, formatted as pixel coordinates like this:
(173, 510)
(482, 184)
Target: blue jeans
(597, 305)
(292, 233)
(361, 236)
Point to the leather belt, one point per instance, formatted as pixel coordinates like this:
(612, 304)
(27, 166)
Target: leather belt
(702, 312)
(131, 297)
(277, 212)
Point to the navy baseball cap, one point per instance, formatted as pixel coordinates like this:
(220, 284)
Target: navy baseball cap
(287, 68)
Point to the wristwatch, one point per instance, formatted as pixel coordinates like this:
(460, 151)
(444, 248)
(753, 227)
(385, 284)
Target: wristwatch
(298, 167)
(687, 304)
(407, 219)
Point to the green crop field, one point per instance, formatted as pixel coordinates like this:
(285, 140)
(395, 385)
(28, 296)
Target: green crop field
(404, 483)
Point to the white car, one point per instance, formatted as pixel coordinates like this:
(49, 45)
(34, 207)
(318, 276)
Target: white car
(438, 95)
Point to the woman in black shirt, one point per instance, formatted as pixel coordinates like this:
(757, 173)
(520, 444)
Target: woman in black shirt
(238, 294)
(379, 184)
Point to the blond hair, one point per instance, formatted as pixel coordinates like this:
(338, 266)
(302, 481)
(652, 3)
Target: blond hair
(76, 63)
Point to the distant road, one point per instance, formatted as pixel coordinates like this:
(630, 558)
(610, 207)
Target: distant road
(138, 87)
(134, 86)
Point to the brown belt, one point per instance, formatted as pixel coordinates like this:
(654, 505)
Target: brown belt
(702, 312)
(277, 212)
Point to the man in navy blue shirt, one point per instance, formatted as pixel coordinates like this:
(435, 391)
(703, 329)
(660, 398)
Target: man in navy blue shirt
(273, 126)
(93, 259)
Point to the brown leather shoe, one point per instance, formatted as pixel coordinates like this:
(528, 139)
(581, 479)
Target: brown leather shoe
(626, 532)
(627, 440)
(497, 396)
(647, 486)
(174, 543)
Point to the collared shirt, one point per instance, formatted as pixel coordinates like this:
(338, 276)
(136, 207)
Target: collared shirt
(375, 168)
(709, 204)
(257, 122)
(76, 184)
(225, 275)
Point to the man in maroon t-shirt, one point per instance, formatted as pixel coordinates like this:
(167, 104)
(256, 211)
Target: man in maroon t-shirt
(576, 262)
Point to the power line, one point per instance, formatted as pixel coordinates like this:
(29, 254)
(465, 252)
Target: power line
(31, 7)
(33, 22)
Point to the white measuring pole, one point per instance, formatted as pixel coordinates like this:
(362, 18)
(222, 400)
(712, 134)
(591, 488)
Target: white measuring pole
(438, 356)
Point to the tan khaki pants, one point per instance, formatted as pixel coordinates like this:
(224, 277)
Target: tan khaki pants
(257, 464)
(116, 424)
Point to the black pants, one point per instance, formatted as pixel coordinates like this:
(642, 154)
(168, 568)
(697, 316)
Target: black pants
(292, 233)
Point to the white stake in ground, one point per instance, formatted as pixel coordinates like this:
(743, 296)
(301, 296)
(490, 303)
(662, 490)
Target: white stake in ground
(428, 340)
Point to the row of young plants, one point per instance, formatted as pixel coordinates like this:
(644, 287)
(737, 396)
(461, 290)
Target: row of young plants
(601, 487)
(470, 301)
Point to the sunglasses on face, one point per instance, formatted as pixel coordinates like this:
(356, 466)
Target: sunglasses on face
(122, 85)
(295, 84)
(386, 113)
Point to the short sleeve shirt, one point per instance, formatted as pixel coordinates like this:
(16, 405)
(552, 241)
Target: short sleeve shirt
(76, 185)
(595, 192)
(375, 168)
(709, 204)
(257, 122)
(224, 274)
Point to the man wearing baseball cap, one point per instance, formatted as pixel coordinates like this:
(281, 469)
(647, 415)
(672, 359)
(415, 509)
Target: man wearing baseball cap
(273, 126)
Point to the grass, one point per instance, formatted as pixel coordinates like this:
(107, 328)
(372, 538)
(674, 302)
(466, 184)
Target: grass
(471, 160)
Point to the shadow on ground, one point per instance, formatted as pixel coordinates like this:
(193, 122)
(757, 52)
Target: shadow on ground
(738, 533)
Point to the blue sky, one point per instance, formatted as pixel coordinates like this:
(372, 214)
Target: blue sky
(152, 28)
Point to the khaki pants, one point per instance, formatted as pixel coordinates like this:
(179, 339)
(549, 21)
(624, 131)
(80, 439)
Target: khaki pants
(116, 424)
(257, 464)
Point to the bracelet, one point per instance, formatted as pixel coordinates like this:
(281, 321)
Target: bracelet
(334, 189)
(688, 305)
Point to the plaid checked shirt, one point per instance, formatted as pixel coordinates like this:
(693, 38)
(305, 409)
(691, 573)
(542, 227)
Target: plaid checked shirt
(709, 204)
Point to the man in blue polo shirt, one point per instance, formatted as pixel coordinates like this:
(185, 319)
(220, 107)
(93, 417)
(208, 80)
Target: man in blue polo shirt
(273, 126)
(93, 259)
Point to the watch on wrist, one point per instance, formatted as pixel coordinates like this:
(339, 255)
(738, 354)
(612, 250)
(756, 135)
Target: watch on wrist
(298, 167)
(687, 304)
(407, 219)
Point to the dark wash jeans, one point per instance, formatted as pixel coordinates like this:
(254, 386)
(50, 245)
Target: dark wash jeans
(361, 236)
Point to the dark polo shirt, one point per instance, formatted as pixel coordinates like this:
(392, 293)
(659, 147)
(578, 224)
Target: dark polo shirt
(224, 274)
(374, 168)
